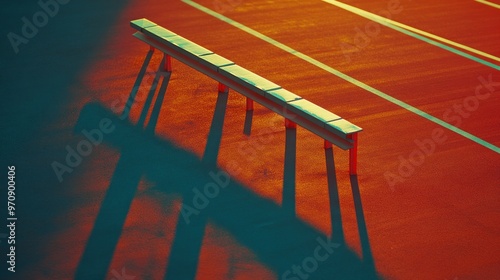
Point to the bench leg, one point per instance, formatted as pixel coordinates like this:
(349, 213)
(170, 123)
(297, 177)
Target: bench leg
(167, 60)
(222, 88)
(248, 117)
(249, 104)
(289, 171)
(353, 155)
(327, 145)
(290, 124)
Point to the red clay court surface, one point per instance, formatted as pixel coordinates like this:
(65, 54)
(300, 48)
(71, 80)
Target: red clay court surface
(439, 220)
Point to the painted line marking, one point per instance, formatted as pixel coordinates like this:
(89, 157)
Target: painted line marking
(343, 76)
(489, 3)
(417, 33)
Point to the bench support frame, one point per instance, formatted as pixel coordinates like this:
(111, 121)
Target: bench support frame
(346, 142)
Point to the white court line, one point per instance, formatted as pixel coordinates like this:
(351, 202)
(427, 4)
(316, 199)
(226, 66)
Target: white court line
(344, 76)
(383, 20)
(489, 3)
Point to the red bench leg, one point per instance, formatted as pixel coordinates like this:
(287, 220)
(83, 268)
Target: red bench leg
(249, 104)
(222, 88)
(327, 145)
(290, 124)
(353, 155)
(168, 63)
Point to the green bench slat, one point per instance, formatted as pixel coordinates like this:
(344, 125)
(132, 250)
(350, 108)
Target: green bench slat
(245, 76)
(343, 126)
(312, 112)
(185, 45)
(215, 61)
(158, 32)
(166, 36)
(282, 95)
(140, 24)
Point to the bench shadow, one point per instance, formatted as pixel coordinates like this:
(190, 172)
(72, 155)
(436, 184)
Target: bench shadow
(215, 134)
(188, 237)
(137, 84)
(150, 96)
(360, 217)
(155, 113)
(333, 192)
(108, 225)
(277, 239)
(106, 232)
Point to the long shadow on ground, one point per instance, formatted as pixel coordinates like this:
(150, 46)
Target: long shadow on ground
(282, 242)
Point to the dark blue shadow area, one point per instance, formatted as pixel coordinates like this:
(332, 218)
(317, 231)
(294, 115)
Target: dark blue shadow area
(283, 243)
(94, 263)
(34, 86)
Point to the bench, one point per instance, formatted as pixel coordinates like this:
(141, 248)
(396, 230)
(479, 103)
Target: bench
(295, 109)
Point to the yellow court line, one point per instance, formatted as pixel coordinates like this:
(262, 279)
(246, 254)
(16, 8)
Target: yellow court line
(378, 18)
(489, 3)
